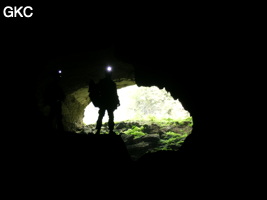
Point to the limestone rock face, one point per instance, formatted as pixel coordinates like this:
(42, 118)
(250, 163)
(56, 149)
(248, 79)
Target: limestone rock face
(73, 108)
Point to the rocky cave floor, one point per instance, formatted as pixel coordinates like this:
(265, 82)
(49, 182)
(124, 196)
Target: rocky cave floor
(141, 137)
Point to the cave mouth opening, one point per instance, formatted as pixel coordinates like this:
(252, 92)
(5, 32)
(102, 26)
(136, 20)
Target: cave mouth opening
(141, 104)
(148, 120)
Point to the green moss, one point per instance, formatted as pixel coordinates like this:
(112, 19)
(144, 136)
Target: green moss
(162, 122)
(169, 121)
(188, 121)
(172, 134)
(136, 131)
(172, 140)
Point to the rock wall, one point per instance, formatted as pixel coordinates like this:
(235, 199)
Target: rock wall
(73, 109)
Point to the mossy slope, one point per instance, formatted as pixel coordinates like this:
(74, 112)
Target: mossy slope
(154, 135)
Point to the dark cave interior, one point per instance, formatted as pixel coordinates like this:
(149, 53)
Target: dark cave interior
(181, 81)
(205, 55)
(184, 79)
(192, 67)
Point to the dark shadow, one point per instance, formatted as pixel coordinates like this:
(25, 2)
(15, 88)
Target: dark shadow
(85, 151)
(53, 99)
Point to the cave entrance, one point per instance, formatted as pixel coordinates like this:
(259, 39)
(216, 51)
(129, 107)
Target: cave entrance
(141, 104)
(148, 120)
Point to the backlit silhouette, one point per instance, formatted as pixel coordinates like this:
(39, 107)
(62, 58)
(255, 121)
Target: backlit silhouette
(104, 95)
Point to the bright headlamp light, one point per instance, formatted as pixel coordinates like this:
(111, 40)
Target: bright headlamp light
(109, 69)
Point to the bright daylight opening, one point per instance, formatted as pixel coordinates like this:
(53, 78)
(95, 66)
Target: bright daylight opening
(141, 103)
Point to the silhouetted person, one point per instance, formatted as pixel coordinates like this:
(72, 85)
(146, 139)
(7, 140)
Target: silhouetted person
(53, 97)
(104, 95)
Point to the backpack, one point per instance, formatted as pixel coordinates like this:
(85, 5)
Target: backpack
(94, 93)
